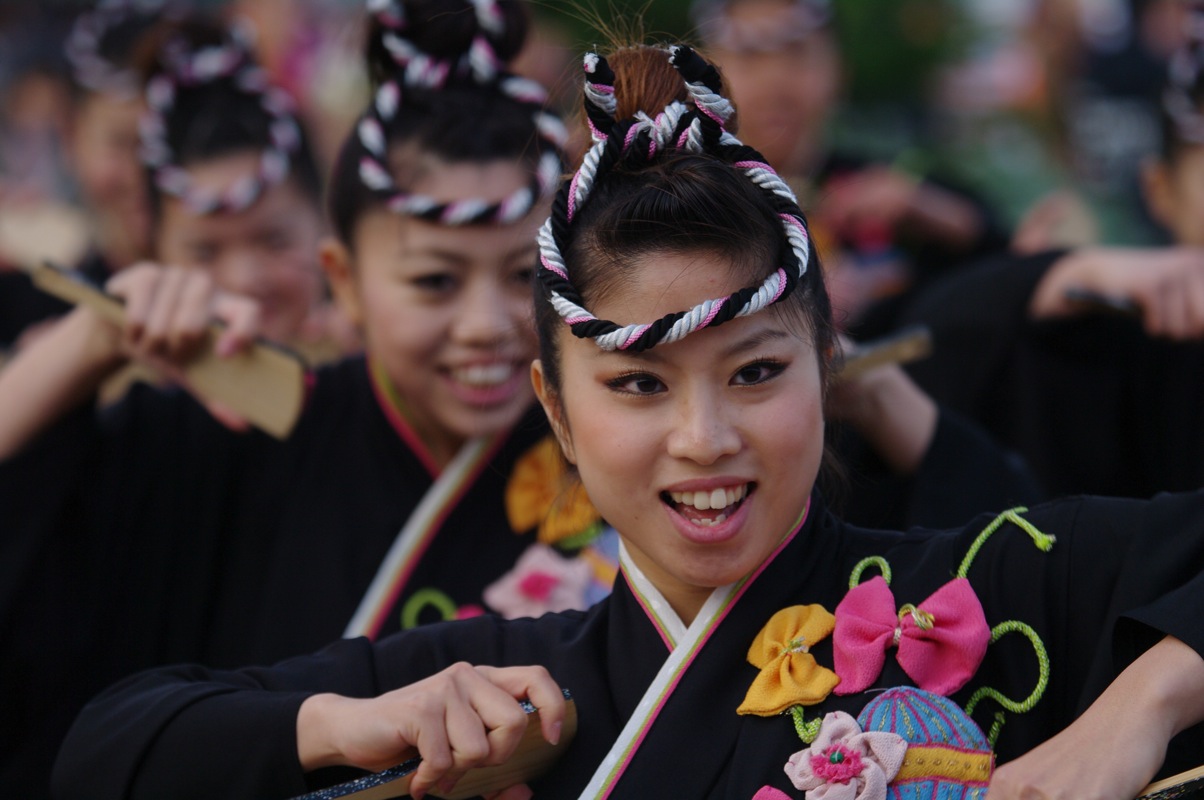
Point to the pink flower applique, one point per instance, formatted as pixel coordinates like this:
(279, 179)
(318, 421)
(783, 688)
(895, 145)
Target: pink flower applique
(845, 764)
(541, 581)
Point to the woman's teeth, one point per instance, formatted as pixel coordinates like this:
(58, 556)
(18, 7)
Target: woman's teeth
(484, 374)
(715, 499)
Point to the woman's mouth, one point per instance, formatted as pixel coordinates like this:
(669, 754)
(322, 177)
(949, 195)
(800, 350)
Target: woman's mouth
(485, 385)
(709, 507)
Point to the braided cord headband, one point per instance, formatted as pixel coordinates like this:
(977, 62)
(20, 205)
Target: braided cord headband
(1183, 71)
(82, 48)
(697, 129)
(231, 60)
(423, 71)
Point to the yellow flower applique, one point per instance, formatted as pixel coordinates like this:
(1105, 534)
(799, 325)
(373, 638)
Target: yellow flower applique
(540, 494)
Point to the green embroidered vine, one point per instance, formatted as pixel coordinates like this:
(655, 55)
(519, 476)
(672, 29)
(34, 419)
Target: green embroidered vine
(865, 563)
(1027, 704)
(806, 730)
(418, 602)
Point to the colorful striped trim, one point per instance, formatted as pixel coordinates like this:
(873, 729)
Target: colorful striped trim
(709, 618)
(393, 407)
(417, 534)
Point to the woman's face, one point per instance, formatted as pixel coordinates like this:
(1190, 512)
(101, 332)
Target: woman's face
(785, 93)
(446, 311)
(268, 252)
(701, 453)
(104, 160)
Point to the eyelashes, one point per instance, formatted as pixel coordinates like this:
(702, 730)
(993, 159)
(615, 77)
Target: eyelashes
(641, 383)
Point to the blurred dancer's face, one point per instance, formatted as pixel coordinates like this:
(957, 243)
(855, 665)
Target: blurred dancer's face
(268, 251)
(783, 77)
(104, 156)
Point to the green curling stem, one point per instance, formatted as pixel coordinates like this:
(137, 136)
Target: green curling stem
(807, 731)
(1043, 541)
(865, 563)
(420, 600)
(1000, 630)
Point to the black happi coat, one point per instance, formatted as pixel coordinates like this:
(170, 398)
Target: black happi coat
(1121, 574)
(1091, 402)
(152, 535)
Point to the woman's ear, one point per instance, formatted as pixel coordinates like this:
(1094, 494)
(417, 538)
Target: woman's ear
(554, 411)
(337, 263)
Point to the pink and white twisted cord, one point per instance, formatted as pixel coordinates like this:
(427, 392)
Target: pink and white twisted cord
(661, 131)
(421, 70)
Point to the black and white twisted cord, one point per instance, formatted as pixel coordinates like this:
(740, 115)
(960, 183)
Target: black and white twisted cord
(697, 127)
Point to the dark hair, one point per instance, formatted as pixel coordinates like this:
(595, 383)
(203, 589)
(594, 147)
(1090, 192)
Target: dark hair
(675, 202)
(215, 118)
(461, 119)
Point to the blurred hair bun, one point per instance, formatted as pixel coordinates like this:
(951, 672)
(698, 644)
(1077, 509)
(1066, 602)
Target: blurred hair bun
(445, 31)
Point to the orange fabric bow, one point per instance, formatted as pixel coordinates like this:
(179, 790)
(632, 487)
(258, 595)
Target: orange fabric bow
(790, 675)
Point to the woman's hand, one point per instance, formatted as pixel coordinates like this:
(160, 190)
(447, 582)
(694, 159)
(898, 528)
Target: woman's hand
(460, 718)
(1167, 284)
(1118, 744)
(168, 313)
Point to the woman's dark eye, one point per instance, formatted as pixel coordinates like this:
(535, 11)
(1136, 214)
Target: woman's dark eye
(435, 283)
(637, 383)
(758, 372)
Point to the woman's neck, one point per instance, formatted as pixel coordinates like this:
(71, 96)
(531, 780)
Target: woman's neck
(438, 447)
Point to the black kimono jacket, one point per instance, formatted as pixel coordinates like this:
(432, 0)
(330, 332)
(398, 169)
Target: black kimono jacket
(1121, 574)
(1091, 402)
(152, 535)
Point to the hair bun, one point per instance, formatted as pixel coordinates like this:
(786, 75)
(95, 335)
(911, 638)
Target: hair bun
(477, 37)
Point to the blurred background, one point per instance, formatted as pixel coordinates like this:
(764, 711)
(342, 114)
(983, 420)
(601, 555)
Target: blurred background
(1016, 99)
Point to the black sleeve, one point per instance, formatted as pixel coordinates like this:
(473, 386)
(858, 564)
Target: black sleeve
(194, 732)
(1121, 574)
(965, 472)
(186, 732)
(962, 473)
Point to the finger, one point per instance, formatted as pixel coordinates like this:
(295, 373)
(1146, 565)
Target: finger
(1195, 302)
(161, 316)
(136, 286)
(504, 719)
(436, 754)
(520, 792)
(1172, 314)
(242, 318)
(191, 326)
(536, 685)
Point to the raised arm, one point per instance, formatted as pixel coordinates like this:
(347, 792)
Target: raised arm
(1165, 283)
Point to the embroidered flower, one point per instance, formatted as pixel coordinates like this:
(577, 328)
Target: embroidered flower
(789, 675)
(845, 764)
(538, 494)
(542, 580)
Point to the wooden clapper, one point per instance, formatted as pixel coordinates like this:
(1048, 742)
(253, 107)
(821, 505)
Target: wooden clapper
(265, 384)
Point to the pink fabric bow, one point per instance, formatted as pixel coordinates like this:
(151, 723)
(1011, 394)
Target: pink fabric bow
(941, 642)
